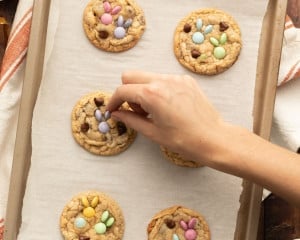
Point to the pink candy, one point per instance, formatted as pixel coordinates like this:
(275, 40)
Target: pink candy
(188, 227)
(106, 18)
(190, 234)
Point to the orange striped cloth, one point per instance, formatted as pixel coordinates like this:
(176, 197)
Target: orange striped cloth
(1, 228)
(16, 48)
(11, 78)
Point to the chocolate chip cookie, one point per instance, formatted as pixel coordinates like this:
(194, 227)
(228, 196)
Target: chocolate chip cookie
(178, 159)
(178, 223)
(207, 41)
(95, 131)
(92, 215)
(113, 25)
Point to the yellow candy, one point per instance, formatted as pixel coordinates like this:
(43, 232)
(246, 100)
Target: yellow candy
(85, 201)
(89, 212)
(95, 202)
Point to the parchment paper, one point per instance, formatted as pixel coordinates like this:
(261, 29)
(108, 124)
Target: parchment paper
(140, 179)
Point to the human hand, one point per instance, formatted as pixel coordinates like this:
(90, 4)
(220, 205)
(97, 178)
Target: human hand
(169, 109)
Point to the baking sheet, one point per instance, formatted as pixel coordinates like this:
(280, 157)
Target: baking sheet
(139, 179)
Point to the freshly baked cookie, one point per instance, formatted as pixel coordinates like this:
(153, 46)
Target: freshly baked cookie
(178, 159)
(178, 223)
(95, 131)
(92, 215)
(113, 25)
(207, 41)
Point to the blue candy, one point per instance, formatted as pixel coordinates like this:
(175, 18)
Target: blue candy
(198, 37)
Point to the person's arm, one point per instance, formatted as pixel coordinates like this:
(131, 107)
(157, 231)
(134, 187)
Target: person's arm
(173, 111)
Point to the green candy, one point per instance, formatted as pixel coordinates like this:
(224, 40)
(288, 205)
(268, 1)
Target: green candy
(223, 38)
(214, 41)
(110, 222)
(104, 216)
(219, 52)
(100, 228)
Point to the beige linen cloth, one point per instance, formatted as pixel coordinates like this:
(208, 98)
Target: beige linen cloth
(139, 179)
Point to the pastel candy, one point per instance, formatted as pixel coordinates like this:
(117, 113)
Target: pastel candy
(199, 23)
(175, 237)
(120, 21)
(198, 37)
(128, 23)
(208, 29)
(98, 115)
(104, 216)
(106, 19)
(100, 228)
(110, 222)
(223, 38)
(183, 225)
(192, 223)
(219, 52)
(116, 10)
(80, 222)
(103, 127)
(190, 234)
(89, 212)
(107, 115)
(107, 7)
(119, 32)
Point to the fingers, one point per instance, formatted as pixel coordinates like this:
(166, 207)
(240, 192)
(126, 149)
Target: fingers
(135, 121)
(125, 93)
(139, 77)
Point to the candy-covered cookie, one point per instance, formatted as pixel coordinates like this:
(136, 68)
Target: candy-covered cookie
(178, 223)
(95, 131)
(92, 215)
(178, 159)
(207, 41)
(113, 25)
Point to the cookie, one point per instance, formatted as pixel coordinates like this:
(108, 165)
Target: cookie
(113, 25)
(178, 223)
(207, 41)
(178, 159)
(95, 131)
(92, 215)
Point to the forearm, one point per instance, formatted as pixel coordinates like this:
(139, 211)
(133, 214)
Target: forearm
(246, 155)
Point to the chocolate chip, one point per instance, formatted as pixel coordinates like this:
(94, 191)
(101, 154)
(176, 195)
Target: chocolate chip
(84, 127)
(223, 26)
(103, 34)
(170, 223)
(121, 128)
(84, 238)
(99, 101)
(195, 53)
(298, 151)
(187, 28)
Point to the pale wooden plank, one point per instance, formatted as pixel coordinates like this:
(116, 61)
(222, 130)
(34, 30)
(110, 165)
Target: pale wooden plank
(22, 151)
(264, 100)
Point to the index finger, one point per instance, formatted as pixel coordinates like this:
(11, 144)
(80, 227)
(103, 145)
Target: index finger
(125, 93)
(140, 77)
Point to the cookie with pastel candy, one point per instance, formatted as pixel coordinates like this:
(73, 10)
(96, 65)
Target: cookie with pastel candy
(94, 129)
(114, 25)
(92, 215)
(178, 223)
(207, 41)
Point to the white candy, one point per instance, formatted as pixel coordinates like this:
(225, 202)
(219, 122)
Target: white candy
(103, 127)
(98, 115)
